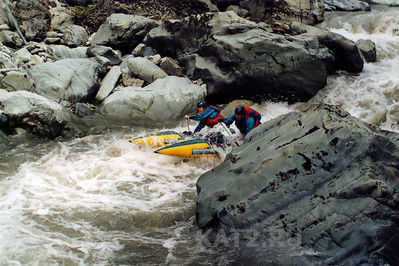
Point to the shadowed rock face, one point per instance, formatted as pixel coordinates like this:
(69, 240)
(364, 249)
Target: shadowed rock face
(34, 18)
(237, 58)
(92, 16)
(319, 176)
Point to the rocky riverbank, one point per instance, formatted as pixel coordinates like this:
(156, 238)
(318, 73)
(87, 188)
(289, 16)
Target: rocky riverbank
(318, 176)
(215, 54)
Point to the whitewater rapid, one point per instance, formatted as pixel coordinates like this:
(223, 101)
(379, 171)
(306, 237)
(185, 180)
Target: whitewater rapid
(373, 94)
(102, 200)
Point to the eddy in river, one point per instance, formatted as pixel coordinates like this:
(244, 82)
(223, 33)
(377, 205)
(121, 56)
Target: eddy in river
(207, 115)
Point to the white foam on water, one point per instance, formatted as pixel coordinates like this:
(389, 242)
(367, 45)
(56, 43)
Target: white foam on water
(75, 203)
(373, 94)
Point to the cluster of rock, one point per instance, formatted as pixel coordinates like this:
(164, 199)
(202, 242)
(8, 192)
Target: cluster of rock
(134, 67)
(320, 175)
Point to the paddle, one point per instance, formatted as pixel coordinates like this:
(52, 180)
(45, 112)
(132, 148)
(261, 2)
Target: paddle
(229, 133)
(188, 125)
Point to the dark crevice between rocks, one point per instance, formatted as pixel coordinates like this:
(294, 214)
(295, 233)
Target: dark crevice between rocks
(308, 163)
(270, 187)
(287, 175)
(334, 142)
(315, 128)
(273, 139)
(222, 198)
(324, 127)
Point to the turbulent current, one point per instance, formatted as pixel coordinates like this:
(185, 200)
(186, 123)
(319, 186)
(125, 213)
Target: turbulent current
(102, 200)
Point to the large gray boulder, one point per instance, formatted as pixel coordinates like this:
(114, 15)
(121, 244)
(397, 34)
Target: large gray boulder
(346, 53)
(230, 53)
(321, 177)
(145, 69)
(74, 35)
(73, 80)
(104, 51)
(348, 5)
(167, 99)
(64, 52)
(368, 49)
(39, 115)
(123, 32)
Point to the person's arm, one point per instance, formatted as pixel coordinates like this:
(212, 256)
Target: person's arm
(249, 124)
(203, 115)
(199, 126)
(229, 120)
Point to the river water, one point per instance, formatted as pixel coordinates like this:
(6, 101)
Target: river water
(102, 200)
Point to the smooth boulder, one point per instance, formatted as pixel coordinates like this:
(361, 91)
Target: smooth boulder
(39, 115)
(164, 100)
(74, 80)
(123, 32)
(145, 69)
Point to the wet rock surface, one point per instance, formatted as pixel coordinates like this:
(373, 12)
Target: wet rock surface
(319, 176)
(38, 115)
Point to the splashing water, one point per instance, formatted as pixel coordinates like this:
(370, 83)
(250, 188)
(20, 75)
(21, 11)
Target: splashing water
(373, 94)
(101, 200)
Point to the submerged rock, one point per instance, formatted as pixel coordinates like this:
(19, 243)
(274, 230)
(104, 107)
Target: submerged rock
(320, 176)
(368, 49)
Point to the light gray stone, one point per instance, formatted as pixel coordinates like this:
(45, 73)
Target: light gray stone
(348, 5)
(167, 99)
(107, 52)
(145, 69)
(74, 35)
(16, 80)
(68, 79)
(6, 61)
(108, 83)
(23, 55)
(64, 52)
(39, 115)
(123, 32)
(139, 50)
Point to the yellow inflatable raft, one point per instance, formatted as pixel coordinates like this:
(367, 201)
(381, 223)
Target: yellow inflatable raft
(189, 148)
(159, 139)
